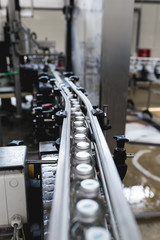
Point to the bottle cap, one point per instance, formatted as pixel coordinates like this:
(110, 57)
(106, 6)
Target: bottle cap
(78, 123)
(83, 146)
(78, 113)
(87, 210)
(73, 109)
(79, 137)
(84, 170)
(90, 187)
(79, 118)
(81, 130)
(82, 157)
(97, 233)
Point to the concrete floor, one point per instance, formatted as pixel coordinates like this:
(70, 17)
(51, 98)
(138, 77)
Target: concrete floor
(142, 182)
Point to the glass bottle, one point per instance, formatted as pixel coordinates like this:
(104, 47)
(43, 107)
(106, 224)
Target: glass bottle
(90, 189)
(79, 118)
(79, 173)
(83, 171)
(75, 112)
(73, 100)
(82, 157)
(83, 146)
(81, 130)
(87, 215)
(77, 124)
(97, 233)
(78, 137)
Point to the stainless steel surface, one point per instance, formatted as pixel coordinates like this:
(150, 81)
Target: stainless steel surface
(87, 36)
(24, 46)
(60, 210)
(47, 147)
(124, 218)
(13, 156)
(116, 42)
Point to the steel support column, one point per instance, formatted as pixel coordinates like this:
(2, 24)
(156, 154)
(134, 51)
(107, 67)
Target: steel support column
(14, 16)
(116, 43)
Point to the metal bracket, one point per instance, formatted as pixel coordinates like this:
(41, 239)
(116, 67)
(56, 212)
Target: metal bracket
(74, 79)
(101, 116)
(97, 112)
(120, 155)
(60, 115)
(57, 91)
(81, 89)
(68, 74)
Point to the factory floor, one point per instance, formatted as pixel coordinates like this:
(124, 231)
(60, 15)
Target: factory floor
(142, 182)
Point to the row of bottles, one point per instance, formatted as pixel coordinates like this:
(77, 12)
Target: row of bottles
(87, 209)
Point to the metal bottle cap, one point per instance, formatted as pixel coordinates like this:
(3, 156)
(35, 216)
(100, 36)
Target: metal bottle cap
(87, 210)
(90, 187)
(97, 233)
(79, 137)
(79, 118)
(83, 146)
(82, 157)
(84, 169)
(78, 124)
(81, 130)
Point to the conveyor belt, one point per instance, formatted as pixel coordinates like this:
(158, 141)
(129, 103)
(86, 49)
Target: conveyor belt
(119, 220)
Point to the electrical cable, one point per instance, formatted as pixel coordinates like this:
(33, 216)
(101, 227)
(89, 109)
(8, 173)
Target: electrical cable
(23, 235)
(15, 232)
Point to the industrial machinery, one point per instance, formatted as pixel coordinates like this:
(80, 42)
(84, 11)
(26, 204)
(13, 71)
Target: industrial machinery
(19, 46)
(69, 186)
(144, 70)
(71, 189)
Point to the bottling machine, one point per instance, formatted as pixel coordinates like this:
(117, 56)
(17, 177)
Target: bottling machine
(73, 189)
(69, 186)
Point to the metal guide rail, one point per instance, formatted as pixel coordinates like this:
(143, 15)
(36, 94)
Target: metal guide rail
(88, 199)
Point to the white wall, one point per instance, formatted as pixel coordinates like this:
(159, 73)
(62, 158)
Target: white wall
(48, 24)
(149, 29)
(37, 3)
